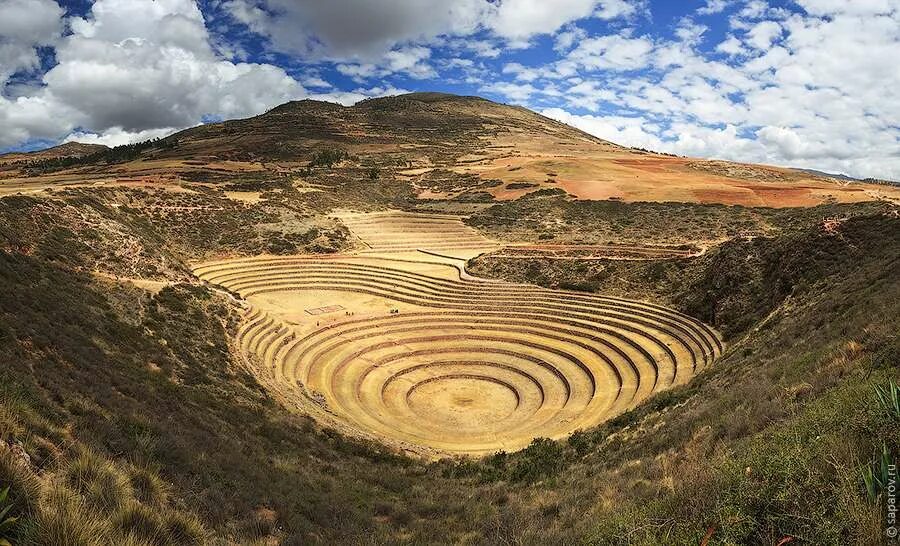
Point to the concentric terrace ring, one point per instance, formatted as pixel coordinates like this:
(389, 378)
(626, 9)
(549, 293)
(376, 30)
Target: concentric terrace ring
(470, 366)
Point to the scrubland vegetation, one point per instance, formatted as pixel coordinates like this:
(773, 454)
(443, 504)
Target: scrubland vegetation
(109, 156)
(140, 426)
(549, 216)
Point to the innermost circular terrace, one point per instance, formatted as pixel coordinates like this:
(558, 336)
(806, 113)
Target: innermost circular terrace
(469, 403)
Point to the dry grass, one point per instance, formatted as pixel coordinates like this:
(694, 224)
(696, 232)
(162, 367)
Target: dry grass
(103, 486)
(87, 500)
(148, 487)
(65, 520)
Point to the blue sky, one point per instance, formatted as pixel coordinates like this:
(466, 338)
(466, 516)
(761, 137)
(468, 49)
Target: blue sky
(808, 83)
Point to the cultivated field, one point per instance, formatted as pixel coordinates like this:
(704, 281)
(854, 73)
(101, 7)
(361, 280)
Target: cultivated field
(399, 343)
(394, 231)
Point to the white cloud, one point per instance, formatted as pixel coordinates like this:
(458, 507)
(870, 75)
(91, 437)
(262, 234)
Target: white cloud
(567, 39)
(615, 9)
(139, 64)
(521, 72)
(712, 7)
(515, 92)
(854, 7)
(24, 26)
(364, 31)
(116, 136)
(354, 29)
(522, 19)
(796, 103)
(411, 61)
(132, 66)
(483, 48)
(40, 116)
(731, 46)
(628, 131)
(613, 52)
(763, 34)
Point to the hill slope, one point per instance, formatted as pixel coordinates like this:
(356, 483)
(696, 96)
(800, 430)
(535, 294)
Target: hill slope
(68, 149)
(139, 393)
(444, 146)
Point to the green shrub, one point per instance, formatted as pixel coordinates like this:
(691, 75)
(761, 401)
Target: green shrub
(876, 475)
(888, 398)
(581, 442)
(543, 458)
(327, 158)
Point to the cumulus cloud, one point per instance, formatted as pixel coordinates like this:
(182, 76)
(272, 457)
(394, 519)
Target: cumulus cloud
(26, 25)
(763, 34)
(522, 19)
(731, 46)
(117, 136)
(794, 101)
(354, 29)
(799, 84)
(133, 69)
(631, 131)
(713, 7)
(518, 93)
(613, 52)
(856, 7)
(411, 61)
(365, 31)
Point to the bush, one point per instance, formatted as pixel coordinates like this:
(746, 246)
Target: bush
(327, 158)
(543, 458)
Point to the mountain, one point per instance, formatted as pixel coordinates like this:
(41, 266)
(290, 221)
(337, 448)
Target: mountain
(846, 178)
(65, 150)
(451, 147)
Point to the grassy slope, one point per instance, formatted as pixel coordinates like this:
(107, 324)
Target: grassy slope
(153, 233)
(733, 286)
(766, 444)
(553, 218)
(148, 382)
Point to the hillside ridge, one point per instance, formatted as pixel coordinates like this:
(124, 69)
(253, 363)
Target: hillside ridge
(432, 146)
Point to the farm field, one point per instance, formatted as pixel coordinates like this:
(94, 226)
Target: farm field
(400, 344)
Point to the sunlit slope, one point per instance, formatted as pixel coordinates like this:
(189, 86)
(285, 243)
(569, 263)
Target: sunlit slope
(446, 146)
